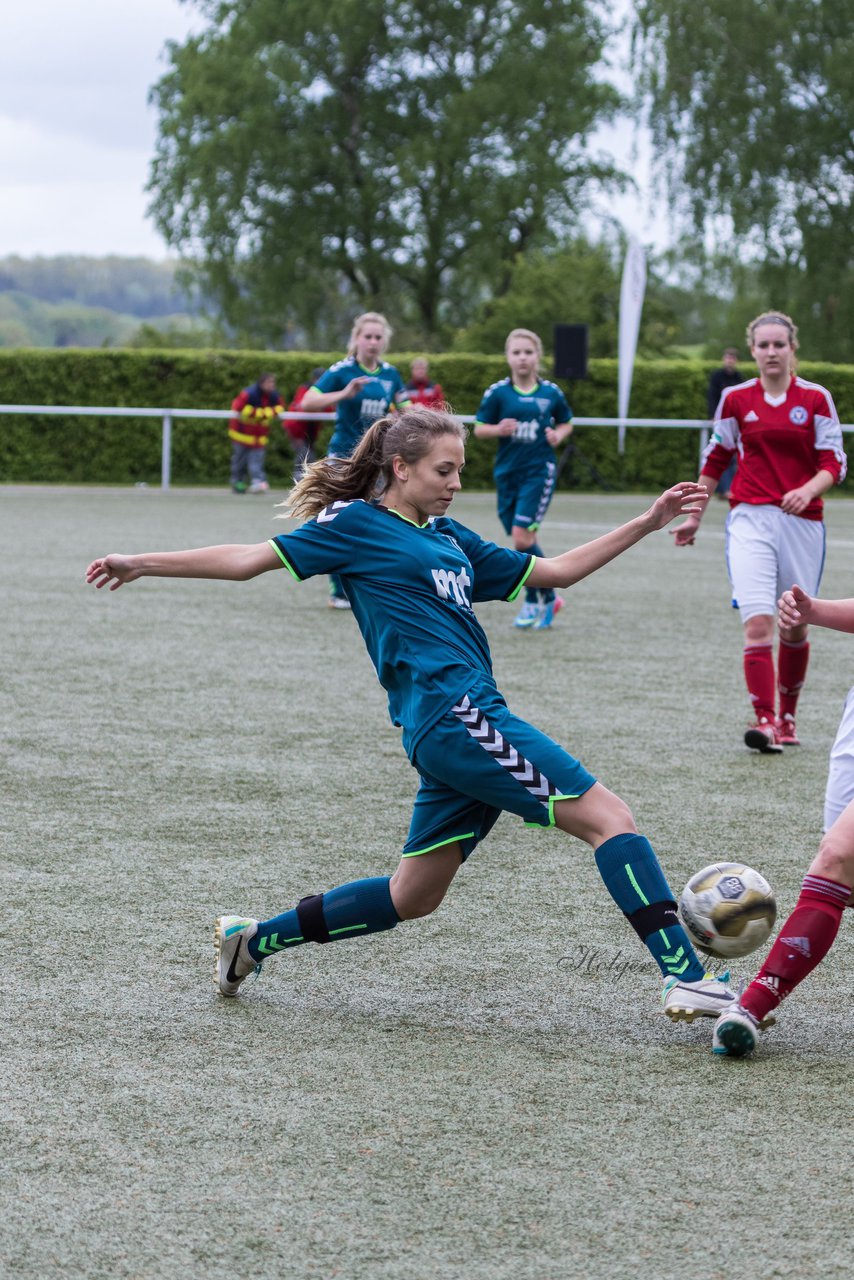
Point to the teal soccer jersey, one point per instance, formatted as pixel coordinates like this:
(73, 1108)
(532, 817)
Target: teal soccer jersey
(527, 451)
(354, 416)
(412, 589)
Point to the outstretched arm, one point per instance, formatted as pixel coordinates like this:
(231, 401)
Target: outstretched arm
(797, 608)
(564, 570)
(685, 533)
(235, 563)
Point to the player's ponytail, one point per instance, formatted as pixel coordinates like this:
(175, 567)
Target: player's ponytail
(369, 471)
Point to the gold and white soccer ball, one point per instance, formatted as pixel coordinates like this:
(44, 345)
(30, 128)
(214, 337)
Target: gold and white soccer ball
(728, 910)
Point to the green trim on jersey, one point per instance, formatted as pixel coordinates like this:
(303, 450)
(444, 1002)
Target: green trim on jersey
(522, 581)
(271, 543)
(394, 511)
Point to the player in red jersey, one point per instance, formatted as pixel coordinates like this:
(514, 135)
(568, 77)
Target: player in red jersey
(810, 931)
(788, 439)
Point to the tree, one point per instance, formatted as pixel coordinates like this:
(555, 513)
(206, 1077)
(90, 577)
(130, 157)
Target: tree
(751, 104)
(396, 155)
(576, 284)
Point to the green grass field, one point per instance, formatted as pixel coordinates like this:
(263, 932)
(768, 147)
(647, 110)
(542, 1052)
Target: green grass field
(488, 1093)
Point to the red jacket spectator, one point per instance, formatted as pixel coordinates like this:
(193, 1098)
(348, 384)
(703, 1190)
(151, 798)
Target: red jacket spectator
(307, 428)
(304, 431)
(420, 390)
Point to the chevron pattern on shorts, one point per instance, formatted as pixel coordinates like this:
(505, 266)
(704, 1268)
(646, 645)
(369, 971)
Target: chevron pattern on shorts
(503, 753)
(545, 496)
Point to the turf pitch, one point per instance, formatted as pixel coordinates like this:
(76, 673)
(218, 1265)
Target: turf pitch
(489, 1093)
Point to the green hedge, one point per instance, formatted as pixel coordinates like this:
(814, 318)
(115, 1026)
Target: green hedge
(126, 450)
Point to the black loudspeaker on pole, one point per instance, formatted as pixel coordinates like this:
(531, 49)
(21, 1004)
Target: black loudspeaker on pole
(570, 348)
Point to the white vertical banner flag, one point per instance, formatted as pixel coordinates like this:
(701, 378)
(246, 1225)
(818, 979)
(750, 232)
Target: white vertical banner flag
(631, 304)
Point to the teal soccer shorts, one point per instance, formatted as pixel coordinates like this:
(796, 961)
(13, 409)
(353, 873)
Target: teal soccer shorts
(480, 760)
(524, 502)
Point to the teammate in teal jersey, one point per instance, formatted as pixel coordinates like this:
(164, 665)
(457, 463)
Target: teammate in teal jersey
(530, 418)
(361, 388)
(380, 520)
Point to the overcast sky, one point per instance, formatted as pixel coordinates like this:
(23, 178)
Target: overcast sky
(77, 134)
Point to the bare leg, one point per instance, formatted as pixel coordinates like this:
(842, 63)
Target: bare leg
(420, 883)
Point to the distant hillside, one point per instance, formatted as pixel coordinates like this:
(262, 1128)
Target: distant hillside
(88, 302)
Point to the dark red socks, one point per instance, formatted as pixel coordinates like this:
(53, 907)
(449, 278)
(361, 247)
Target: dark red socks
(802, 943)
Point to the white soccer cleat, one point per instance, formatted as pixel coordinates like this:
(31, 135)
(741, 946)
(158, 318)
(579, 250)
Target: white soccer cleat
(707, 998)
(736, 1031)
(548, 613)
(233, 963)
(528, 615)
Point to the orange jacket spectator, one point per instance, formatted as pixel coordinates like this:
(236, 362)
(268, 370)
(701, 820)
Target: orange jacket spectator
(254, 410)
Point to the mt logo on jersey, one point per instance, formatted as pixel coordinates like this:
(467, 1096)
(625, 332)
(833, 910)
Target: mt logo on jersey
(450, 584)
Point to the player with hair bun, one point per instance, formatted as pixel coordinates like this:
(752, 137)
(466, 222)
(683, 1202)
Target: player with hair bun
(380, 520)
(786, 434)
(361, 388)
(529, 417)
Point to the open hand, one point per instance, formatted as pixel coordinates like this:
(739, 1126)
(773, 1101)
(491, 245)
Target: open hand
(112, 571)
(686, 499)
(685, 533)
(353, 387)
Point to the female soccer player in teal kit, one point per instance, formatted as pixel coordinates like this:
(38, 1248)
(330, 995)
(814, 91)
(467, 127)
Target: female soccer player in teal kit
(530, 418)
(380, 520)
(360, 388)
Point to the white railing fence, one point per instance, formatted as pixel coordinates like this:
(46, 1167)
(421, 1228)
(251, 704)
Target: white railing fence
(167, 416)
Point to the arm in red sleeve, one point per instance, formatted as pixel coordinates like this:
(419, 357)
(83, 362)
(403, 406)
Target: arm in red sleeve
(827, 460)
(716, 459)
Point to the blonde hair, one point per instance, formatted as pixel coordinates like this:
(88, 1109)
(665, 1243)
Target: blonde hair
(773, 317)
(524, 333)
(368, 317)
(369, 471)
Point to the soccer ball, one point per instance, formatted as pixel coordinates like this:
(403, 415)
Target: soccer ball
(728, 910)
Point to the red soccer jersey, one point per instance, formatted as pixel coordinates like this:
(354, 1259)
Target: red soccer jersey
(781, 442)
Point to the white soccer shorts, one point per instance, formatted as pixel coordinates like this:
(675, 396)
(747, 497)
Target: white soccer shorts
(766, 552)
(840, 776)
